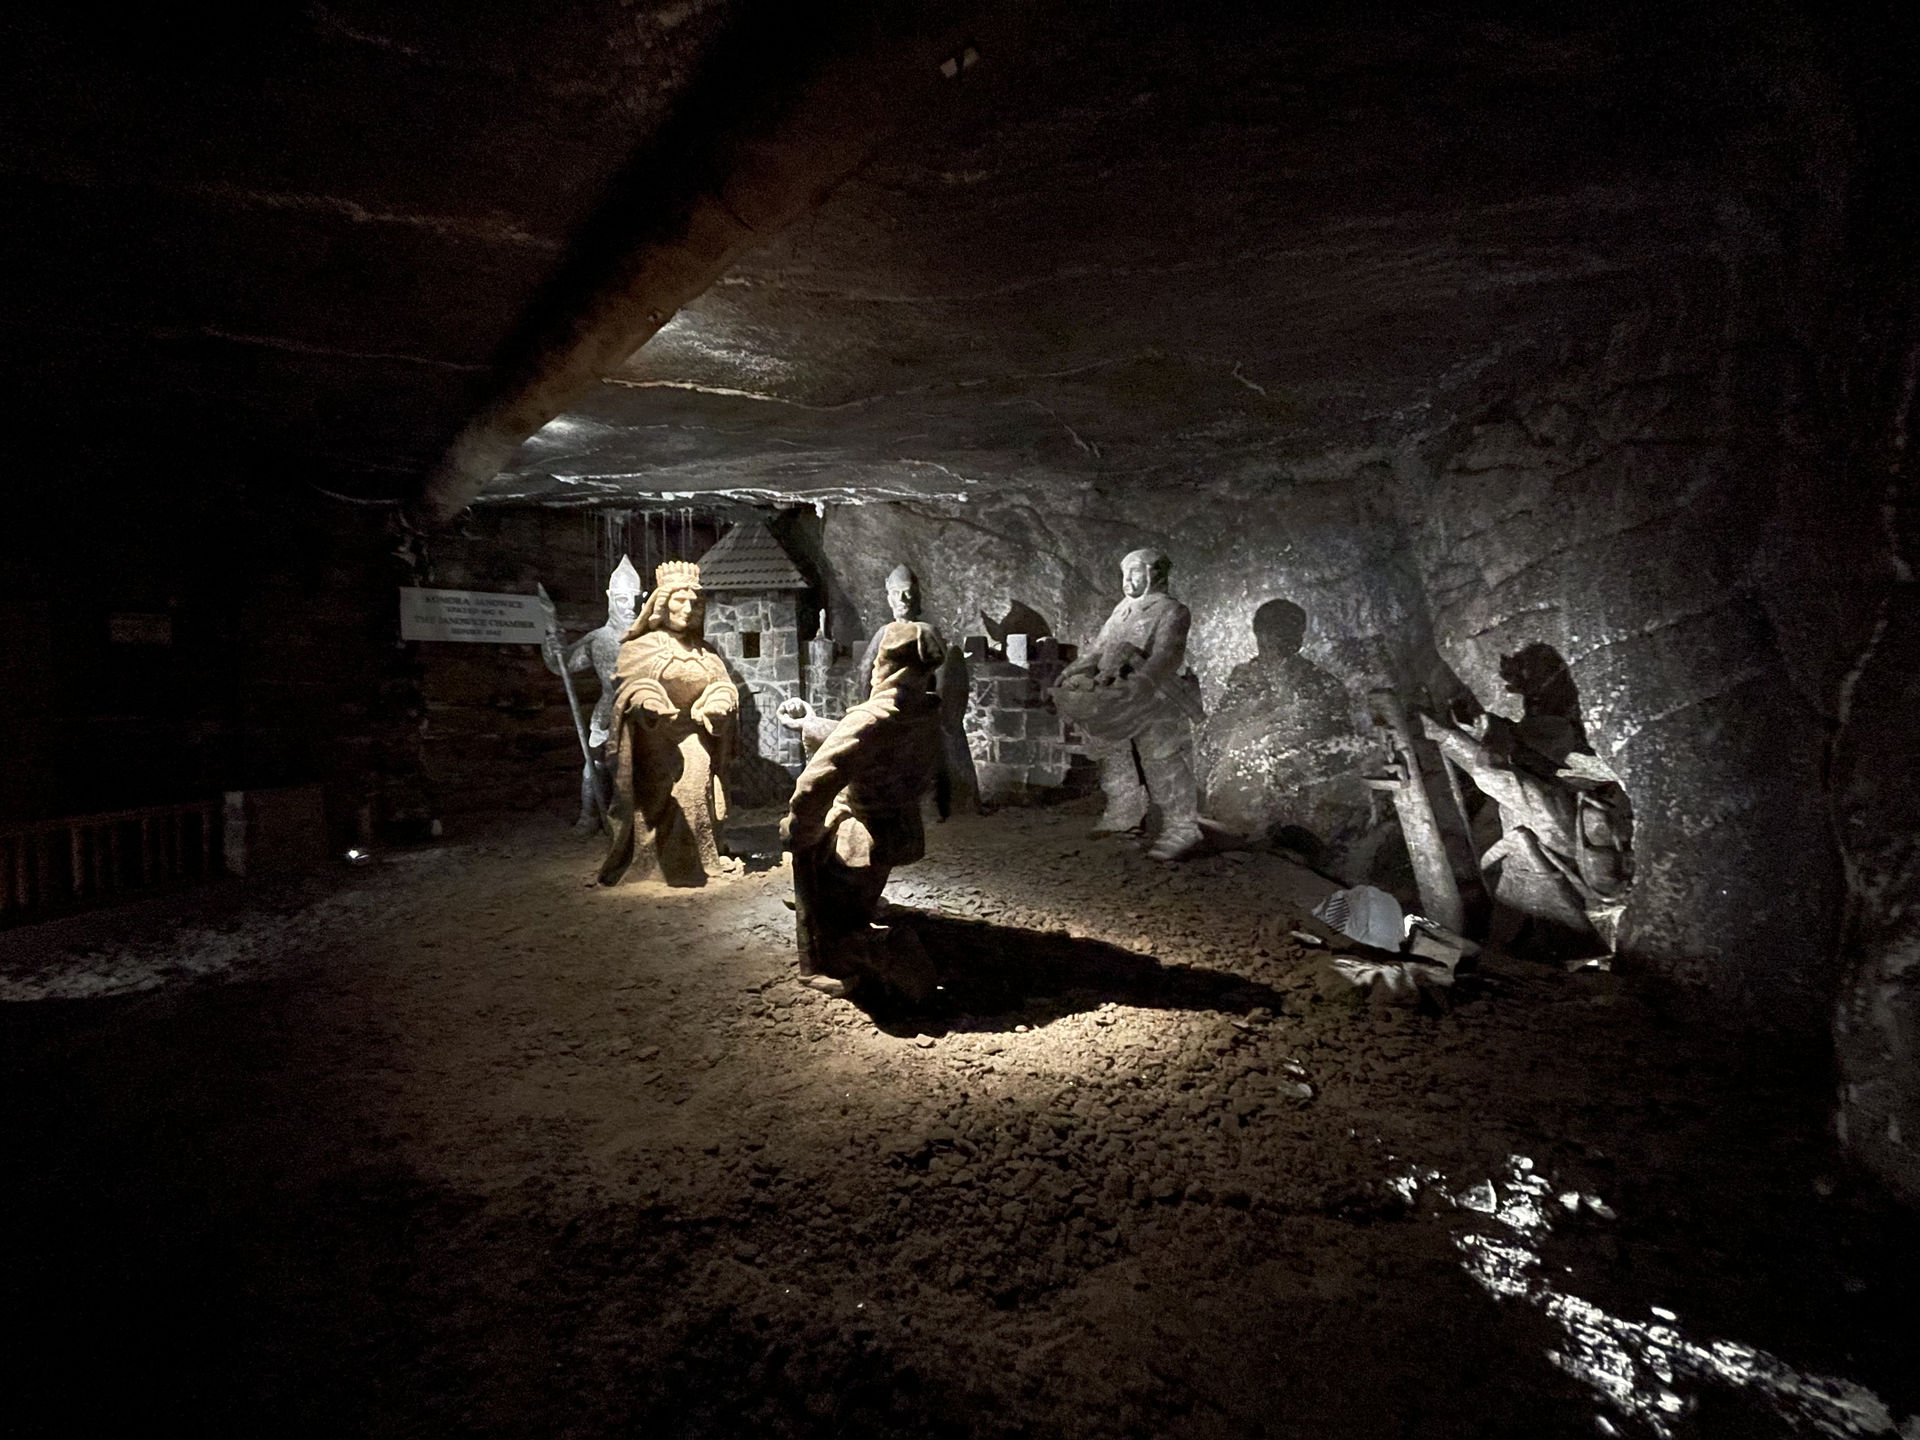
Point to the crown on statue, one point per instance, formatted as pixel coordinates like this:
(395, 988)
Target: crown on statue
(625, 580)
(677, 575)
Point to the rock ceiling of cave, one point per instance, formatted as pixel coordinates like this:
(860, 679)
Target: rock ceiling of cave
(1186, 256)
(1137, 245)
(303, 234)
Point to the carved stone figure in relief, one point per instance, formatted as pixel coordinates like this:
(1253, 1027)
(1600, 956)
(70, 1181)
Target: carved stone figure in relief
(1131, 697)
(1563, 863)
(671, 736)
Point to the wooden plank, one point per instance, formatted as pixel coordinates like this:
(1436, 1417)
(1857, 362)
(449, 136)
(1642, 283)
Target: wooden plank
(49, 863)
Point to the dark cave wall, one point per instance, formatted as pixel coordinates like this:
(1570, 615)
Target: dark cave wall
(1876, 802)
(285, 665)
(1637, 509)
(496, 732)
(1875, 771)
(280, 667)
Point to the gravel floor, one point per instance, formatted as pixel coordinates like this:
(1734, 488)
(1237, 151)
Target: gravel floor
(457, 1144)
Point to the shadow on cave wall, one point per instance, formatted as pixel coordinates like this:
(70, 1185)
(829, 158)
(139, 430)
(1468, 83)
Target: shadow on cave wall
(1280, 753)
(993, 977)
(1020, 619)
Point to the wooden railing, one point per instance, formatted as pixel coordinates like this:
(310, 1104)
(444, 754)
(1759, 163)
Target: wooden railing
(55, 865)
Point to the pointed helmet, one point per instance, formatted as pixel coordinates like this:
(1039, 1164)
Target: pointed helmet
(625, 580)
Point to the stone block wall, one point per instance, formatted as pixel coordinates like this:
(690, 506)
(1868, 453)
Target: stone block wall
(1020, 747)
(766, 679)
(834, 679)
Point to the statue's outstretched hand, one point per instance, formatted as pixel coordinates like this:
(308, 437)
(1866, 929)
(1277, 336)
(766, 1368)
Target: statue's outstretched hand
(651, 696)
(716, 703)
(794, 713)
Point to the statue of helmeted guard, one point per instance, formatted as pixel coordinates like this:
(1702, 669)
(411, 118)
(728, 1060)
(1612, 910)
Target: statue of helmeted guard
(951, 683)
(956, 783)
(671, 736)
(903, 603)
(1133, 700)
(599, 651)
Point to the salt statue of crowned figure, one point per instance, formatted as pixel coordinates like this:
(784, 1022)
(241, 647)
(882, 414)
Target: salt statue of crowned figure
(671, 738)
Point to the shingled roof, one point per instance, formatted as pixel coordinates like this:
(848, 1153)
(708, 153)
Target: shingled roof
(749, 558)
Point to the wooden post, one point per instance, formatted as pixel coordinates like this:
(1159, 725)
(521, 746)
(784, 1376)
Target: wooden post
(77, 853)
(1432, 870)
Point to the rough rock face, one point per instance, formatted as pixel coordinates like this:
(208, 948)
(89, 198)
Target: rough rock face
(1283, 745)
(1876, 809)
(1621, 512)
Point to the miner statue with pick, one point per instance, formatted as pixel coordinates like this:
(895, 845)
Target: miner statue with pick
(1132, 698)
(599, 651)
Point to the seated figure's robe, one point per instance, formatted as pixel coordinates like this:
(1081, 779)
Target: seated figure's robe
(1561, 860)
(669, 788)
(855, 811)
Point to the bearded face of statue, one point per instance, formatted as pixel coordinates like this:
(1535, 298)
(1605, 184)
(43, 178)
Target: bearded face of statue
(620, 610)
(1136, 576)
(687, 613)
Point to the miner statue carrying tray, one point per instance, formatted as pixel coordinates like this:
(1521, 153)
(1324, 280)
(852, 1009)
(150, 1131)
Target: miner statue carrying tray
(1134, 702)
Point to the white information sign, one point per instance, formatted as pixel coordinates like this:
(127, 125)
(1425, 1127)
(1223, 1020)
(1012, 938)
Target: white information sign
(473, 616)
